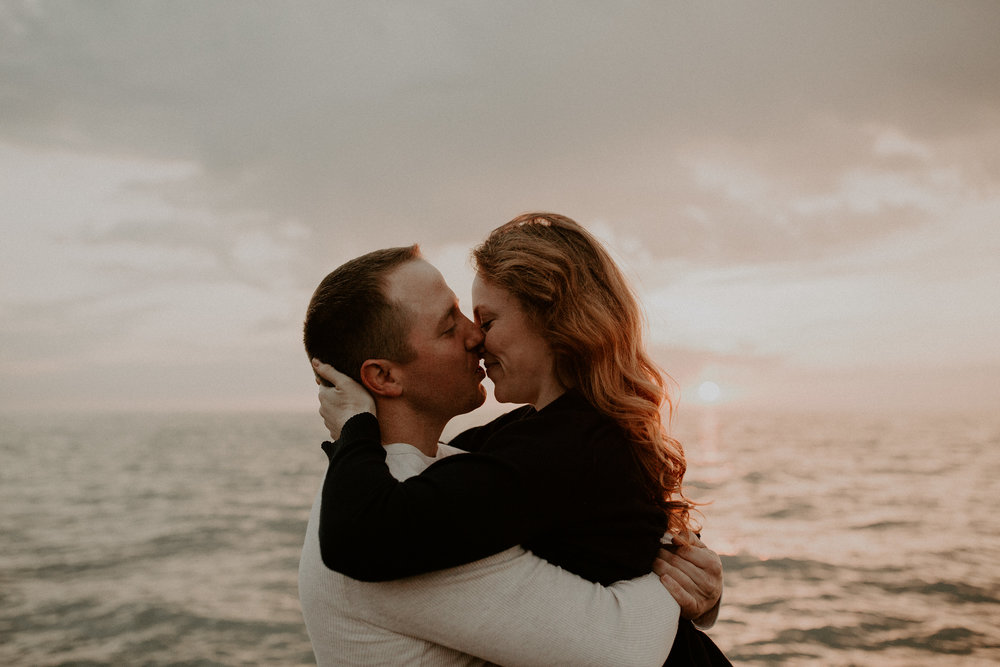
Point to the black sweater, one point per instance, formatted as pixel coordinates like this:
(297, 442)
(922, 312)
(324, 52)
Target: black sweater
(562, 482)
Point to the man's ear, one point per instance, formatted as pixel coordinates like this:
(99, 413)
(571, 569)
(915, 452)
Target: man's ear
(380, 377)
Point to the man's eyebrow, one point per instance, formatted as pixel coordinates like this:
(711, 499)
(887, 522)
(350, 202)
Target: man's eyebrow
(452, 313)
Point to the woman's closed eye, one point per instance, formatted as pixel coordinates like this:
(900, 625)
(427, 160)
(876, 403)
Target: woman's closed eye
(485, 325)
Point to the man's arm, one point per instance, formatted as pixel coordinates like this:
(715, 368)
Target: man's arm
(516, 608)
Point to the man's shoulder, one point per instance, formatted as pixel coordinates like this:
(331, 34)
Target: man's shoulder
(445, 451)
(405, 460)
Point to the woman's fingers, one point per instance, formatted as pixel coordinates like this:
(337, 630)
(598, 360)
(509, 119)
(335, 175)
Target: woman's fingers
(327, 372)
(692, 574)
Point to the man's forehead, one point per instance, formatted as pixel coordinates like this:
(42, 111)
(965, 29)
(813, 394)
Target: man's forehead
(420, 287)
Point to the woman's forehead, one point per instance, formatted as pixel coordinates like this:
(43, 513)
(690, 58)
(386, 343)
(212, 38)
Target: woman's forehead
(487, 295)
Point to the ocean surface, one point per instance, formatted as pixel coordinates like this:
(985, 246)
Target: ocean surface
(174, 539)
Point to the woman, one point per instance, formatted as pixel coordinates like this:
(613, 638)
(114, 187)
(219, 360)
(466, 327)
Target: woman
(584, 476)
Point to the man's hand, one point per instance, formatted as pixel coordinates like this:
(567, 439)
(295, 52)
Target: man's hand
(693, 576)
(340, 397)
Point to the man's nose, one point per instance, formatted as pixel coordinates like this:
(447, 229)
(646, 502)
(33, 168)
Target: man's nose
(474, 336)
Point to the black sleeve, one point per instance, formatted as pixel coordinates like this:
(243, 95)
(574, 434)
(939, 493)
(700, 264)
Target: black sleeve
(375, 528)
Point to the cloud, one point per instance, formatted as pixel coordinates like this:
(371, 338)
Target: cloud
(182, 174)
(449, 119)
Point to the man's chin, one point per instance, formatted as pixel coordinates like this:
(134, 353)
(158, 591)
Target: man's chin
(480, 396)
(470, 401)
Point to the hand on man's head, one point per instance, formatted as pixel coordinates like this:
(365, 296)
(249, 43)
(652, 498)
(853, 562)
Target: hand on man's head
(340, 397)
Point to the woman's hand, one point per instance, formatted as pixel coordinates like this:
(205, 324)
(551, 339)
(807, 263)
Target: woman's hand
(340, 397)
(692, 573)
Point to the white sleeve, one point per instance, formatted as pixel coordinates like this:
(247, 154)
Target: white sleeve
(514, 608)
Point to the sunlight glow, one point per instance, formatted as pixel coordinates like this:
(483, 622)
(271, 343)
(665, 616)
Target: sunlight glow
(709, 392)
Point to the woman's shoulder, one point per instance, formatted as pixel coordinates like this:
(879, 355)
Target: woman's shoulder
(473, 439)
(569, 422)
(573, 412)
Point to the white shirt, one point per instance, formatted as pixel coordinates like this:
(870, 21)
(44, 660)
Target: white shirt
(511, 608)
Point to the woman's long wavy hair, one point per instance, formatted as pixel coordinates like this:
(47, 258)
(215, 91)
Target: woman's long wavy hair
(574, 292)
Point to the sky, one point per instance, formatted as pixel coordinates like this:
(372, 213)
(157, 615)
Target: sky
(806, 195)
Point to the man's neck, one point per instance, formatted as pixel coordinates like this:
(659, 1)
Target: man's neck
(401, 424)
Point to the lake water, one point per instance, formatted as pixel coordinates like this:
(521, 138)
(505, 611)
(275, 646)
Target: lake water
(174, 539)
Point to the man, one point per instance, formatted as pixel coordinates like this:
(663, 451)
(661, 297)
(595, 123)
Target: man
(390, 321)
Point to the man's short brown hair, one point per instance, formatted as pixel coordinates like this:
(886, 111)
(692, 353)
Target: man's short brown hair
(350, 319)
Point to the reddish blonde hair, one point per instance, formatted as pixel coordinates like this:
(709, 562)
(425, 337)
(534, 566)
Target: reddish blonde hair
(583, 305)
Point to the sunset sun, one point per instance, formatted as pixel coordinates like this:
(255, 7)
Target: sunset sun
(709, 391)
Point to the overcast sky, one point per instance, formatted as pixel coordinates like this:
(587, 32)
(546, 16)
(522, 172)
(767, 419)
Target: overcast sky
(807, 195)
